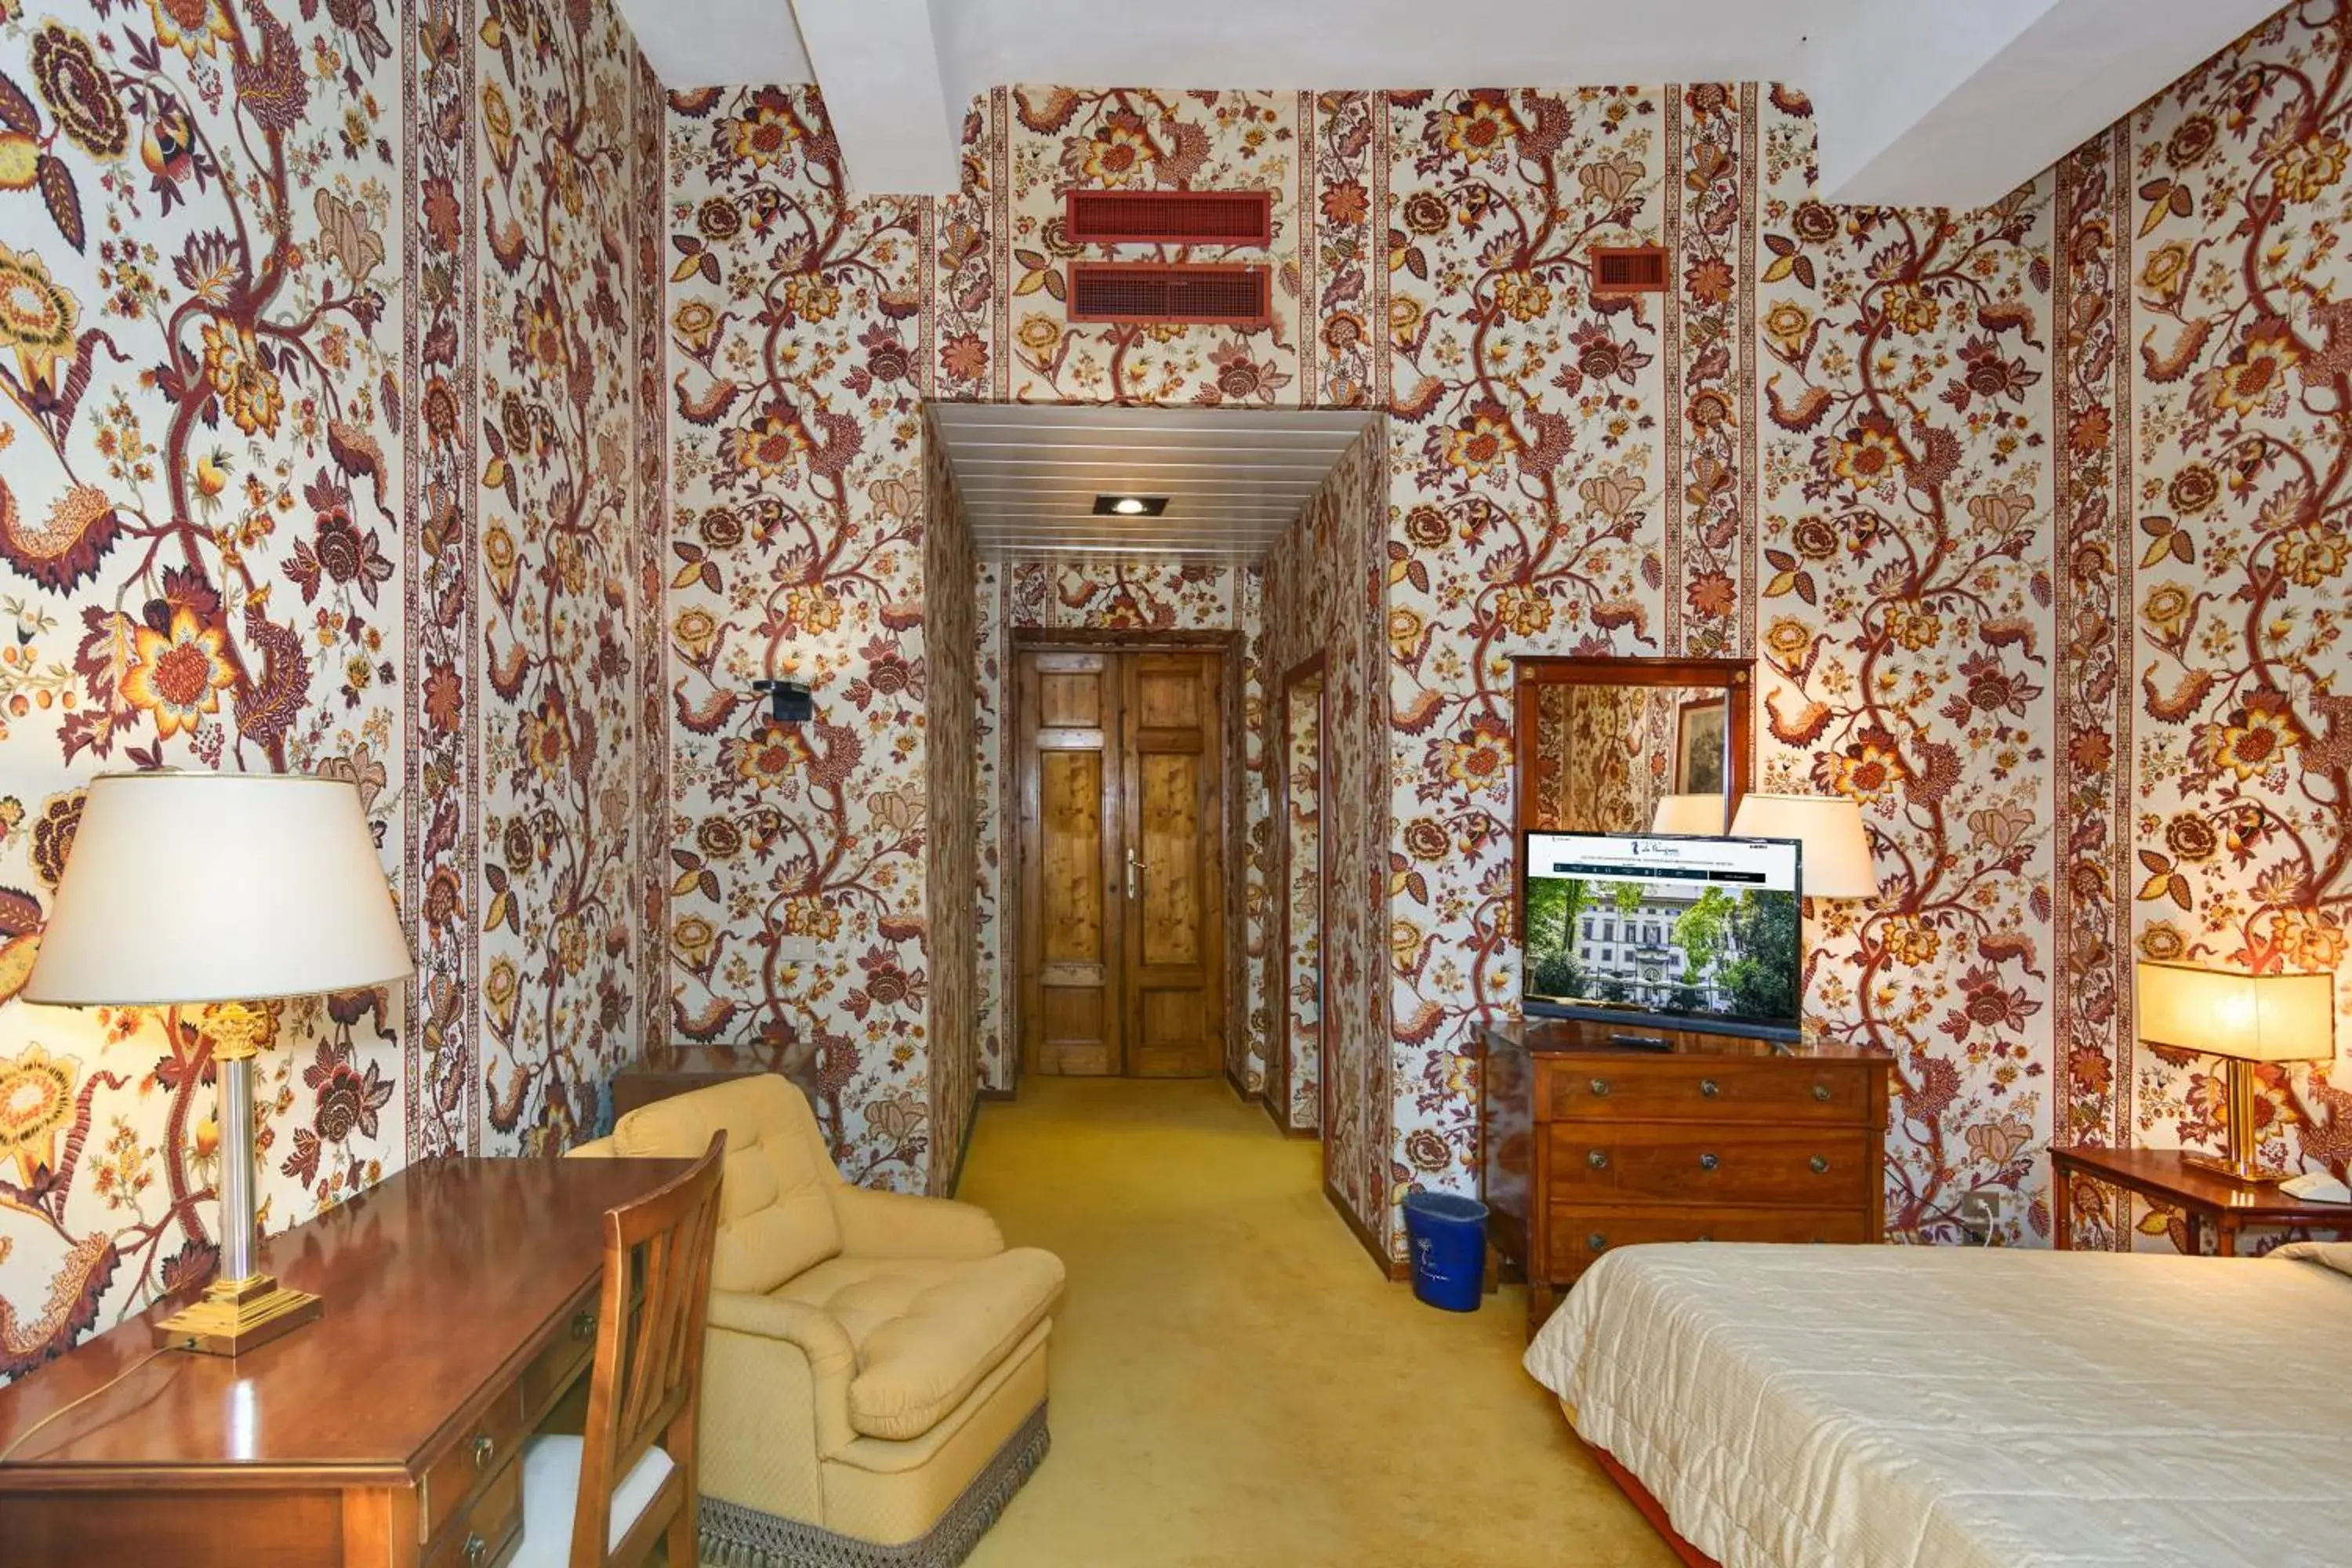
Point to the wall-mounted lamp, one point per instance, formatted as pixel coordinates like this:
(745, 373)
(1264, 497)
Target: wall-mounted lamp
(788, 701)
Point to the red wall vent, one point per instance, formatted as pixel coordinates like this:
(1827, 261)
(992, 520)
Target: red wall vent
(1169, 217)
(1629, 269)
(1200, 293)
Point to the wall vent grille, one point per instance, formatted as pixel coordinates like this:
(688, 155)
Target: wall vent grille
(1169, 217)
(1629, 269)
(1204, 294)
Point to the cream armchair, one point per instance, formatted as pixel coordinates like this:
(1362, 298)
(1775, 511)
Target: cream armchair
(874, 1375)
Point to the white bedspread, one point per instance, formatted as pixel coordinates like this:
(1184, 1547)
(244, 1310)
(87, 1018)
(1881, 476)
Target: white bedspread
(1944, 1407)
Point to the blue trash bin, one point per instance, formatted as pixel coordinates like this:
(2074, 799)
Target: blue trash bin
(1447, 1236)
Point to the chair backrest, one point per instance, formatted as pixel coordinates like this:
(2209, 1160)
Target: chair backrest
(776, 1216)
(648, 1375)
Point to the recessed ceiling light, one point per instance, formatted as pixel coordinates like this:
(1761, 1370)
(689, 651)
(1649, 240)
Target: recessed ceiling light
(1130, 506)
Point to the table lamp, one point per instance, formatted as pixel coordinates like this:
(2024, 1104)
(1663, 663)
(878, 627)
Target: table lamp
(280, 894)
(2244, 1019)
(1837, 850)
(1700, 814)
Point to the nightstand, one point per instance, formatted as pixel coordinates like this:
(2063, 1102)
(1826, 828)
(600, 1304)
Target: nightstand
(2206, 1198)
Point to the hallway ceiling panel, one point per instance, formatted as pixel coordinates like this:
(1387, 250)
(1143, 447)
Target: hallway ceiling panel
(1234, 478)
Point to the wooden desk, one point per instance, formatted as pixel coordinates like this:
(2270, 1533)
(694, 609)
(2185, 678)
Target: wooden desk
(2208, 1200)
(460, 1303)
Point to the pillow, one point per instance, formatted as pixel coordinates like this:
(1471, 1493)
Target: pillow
(2336, 1255)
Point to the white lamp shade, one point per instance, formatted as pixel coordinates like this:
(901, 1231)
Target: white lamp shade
(1837, 850)
(195, 887)
(2255, 1017)
(1688, 814)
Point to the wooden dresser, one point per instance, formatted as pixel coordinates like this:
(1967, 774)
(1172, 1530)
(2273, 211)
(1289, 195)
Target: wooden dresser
(460, 1302)
(1586, 1144)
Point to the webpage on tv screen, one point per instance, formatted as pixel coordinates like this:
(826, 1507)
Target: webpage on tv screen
(1767, 864)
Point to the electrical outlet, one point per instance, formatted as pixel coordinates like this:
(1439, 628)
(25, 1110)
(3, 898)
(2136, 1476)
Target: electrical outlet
(796, 949)
(1980, 1212)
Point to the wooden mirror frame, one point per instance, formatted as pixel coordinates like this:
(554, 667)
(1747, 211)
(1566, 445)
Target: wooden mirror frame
(1736, 677)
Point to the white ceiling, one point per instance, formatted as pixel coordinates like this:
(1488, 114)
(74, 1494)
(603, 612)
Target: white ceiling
(1921, 102)
(1234, 478)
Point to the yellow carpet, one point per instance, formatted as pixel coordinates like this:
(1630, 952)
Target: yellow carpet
(1234, 1382)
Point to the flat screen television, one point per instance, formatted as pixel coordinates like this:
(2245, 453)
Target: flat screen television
(1669, 929)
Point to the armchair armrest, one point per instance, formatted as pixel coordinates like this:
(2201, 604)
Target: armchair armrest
(820, 1340)
(898, 1224)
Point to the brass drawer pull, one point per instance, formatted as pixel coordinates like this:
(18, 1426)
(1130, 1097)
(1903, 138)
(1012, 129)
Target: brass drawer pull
(477, 1552)
(1601, 1087)
(1597, 1160)
(1708, 1162)
(1821, 1092)
(1708, 1087)
(483, 1450)
(1596, 1242)
(584, 1323)
(1821, 1165)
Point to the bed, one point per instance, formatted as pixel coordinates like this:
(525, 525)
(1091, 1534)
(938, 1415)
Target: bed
(1945, 1407)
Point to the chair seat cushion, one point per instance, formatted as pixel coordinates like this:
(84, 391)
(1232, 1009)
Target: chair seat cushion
(550, 1495)
(927, 1330)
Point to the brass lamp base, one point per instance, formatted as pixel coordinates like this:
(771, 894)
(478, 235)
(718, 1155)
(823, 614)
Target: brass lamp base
(238, 1315)
(2236, 1170)
(2237, 1162)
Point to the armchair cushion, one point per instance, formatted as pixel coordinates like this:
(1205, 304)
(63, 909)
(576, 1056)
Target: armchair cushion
(928, 1330)
(875, 1224)
(776, 1209)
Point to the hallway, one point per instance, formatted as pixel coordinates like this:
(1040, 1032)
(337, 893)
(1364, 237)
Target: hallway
(1233, 1381)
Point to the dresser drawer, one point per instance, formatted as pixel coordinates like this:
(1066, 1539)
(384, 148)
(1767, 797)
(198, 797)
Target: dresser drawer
(453, 1476)
(487, 1530)
(1786, 1092)
(1735, 1163)
(1580, 1235)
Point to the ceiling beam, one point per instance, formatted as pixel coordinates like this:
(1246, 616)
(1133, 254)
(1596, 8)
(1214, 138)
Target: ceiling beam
(1957, 105)
(878, 66)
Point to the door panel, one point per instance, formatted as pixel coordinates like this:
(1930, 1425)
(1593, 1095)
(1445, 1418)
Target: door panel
(1071, 936)
(1121, 862)
(1175, 934)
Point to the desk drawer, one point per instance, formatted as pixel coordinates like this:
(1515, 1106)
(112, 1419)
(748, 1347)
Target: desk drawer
(487, 1531)
(1785, 1092)
(564, 1358)
(1580, 1235)
(1679, 1162)
(453, 1476)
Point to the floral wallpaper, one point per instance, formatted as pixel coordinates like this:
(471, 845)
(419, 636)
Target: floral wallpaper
(1326, 581)
(1908, 650)
(1141, 595)
(558, 898)
(1300, 1058)
(237, 501)
(995, 1043)
(2222, 204)
(799, 852)
(951, 746)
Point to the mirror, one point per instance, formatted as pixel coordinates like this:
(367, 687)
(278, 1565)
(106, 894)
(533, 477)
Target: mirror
(1606, 742)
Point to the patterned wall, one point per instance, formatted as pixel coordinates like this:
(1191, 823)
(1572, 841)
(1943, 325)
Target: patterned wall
(951, 748)
(2203, 431)
(799, 852)
(242, 298)
(1325, 586)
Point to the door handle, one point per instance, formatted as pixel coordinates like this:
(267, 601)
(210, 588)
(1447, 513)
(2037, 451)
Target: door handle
(1134, 876)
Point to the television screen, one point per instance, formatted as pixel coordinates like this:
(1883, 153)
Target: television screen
(1699, 933)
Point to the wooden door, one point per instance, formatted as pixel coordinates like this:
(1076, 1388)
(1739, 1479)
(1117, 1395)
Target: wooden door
(1072, 862)
(1121, 862)
(1175, 932)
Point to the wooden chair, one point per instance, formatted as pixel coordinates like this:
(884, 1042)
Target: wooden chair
(601, 1501)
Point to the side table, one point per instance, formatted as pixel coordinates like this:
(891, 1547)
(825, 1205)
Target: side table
(680, 1069)
(2208, 1200)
